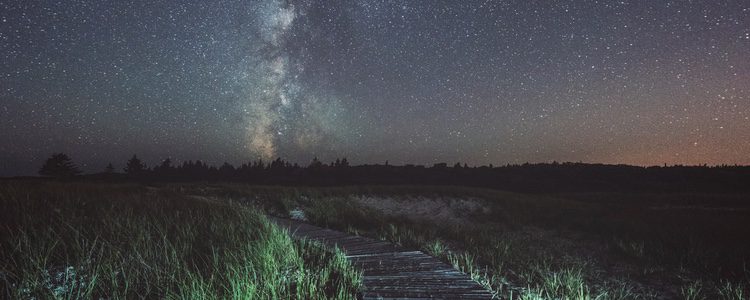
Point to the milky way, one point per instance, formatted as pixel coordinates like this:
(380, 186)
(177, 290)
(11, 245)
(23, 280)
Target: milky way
(635, 82)
(284, 113)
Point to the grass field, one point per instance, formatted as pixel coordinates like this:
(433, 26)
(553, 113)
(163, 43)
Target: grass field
(79, 240)
(121, 241)
(531, 246)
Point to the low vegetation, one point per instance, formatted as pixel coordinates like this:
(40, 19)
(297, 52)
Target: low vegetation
(212, 241)
(121, 241)
(531, 246)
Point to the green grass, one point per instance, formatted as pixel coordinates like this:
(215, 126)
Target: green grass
(84, 241)
(570, 246)
(730, 291)
(525, 246)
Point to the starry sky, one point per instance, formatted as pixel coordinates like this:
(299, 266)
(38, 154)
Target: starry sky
(633, 82)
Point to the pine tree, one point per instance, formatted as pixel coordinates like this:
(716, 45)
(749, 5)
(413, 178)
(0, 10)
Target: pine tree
(134, 166)
(315, 163)
(166, 164)
(59, 165)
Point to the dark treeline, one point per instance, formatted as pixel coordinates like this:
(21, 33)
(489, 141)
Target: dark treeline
(543, 177)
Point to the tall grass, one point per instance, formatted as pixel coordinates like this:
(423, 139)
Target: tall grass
(75, 240)
(553, 246)
(565, 246)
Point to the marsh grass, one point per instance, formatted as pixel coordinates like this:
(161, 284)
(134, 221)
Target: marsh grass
(731, 291)
(568, 246)
(121, 241)
(692, 291)
(562, 246)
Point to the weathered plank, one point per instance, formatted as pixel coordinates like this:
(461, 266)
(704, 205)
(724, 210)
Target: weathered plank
(392, 272)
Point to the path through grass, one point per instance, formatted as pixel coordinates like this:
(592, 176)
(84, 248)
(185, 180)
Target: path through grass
(530, 246)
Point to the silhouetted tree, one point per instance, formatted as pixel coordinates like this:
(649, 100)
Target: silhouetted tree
(165, 168)
(278, 164)
(134, 166)
(166, 164)
(109, 169)
(258, 165)
(544, 177)
(59, 165)
(315, 164)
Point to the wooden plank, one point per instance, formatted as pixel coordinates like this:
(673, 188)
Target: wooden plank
(390, 271)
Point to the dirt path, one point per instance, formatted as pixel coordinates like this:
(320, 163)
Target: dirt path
(391, 272)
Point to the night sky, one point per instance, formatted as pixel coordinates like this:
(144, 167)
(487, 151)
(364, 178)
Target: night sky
(635, 82)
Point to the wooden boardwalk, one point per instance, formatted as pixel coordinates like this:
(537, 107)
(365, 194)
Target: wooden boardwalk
(391, 272)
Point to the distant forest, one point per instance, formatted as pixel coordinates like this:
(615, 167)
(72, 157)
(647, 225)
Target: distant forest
(541, 177)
